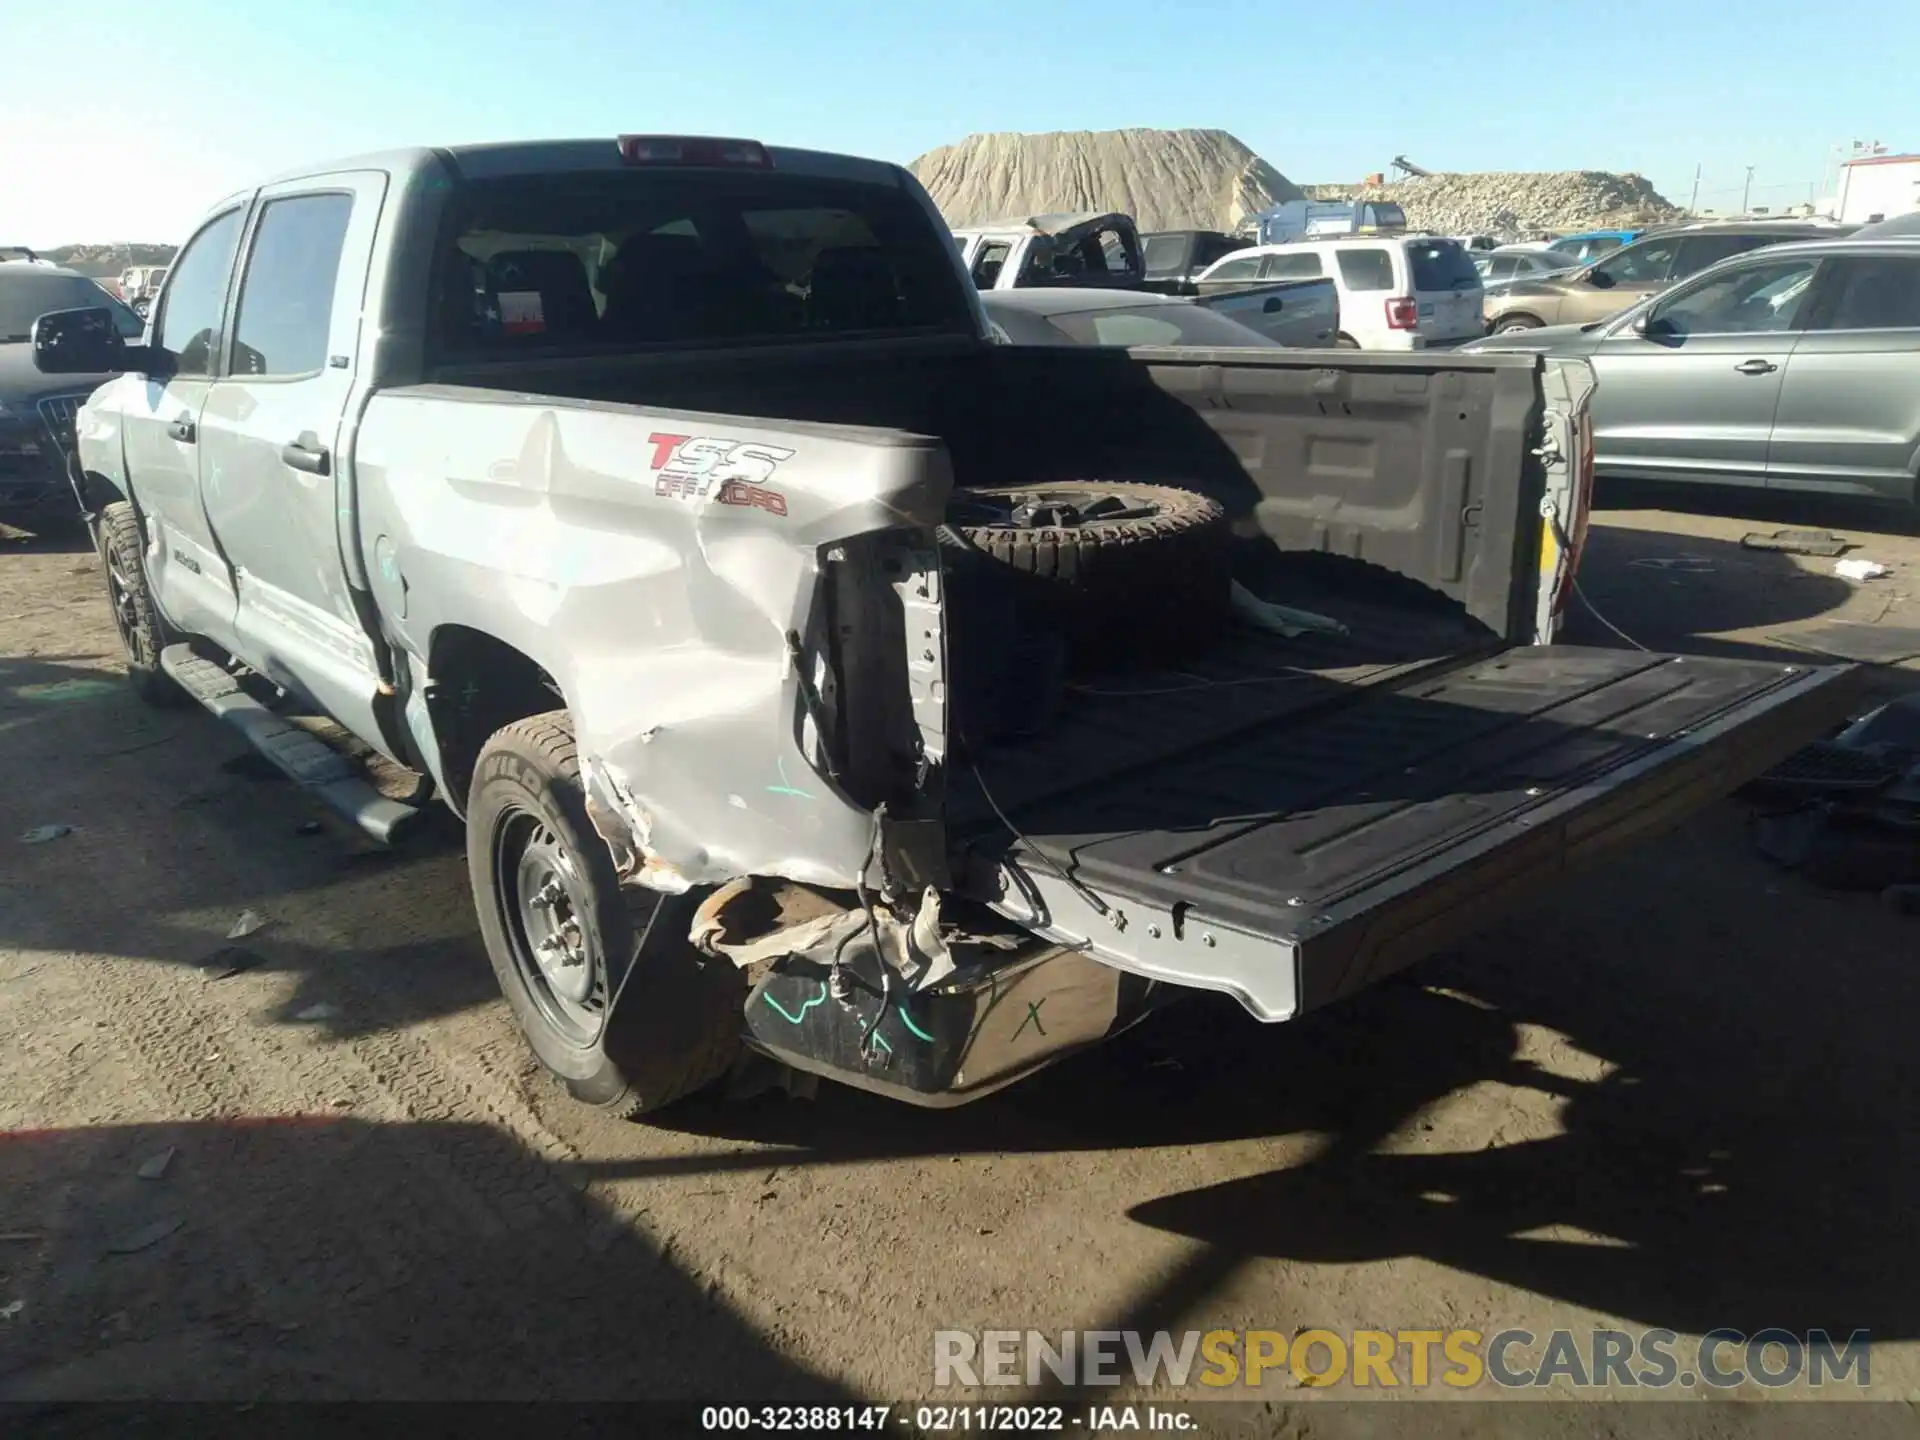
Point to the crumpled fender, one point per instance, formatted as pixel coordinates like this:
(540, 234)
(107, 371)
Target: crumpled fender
(654, 564)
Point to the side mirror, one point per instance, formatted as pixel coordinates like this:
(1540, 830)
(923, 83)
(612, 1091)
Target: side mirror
(1600, 279)
(83, 342)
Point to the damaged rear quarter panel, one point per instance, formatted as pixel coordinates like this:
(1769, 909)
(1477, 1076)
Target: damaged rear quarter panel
(567, 530)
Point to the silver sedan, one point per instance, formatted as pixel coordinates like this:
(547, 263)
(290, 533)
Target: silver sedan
(1791, 368)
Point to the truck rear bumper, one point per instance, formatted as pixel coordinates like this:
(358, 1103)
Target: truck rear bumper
(1298, 862)
(958, 1041)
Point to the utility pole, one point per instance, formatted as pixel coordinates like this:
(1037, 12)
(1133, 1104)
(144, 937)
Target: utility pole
(1746, 190)
(1693, 200)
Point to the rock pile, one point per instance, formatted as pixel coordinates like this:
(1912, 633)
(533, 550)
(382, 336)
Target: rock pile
(1514, 204)
(1165, 179)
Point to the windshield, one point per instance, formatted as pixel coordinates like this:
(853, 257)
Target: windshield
(27, 293)
(660, 257)
(1180, 324)
(1440, 265)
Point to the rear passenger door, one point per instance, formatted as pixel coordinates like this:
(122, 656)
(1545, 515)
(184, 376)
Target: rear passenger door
(1849, 414)
(273, 439)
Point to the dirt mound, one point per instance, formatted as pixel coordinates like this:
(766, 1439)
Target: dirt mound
(1165, 179)
(1516, 204)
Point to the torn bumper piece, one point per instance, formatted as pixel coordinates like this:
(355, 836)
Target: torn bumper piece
(984, 1028)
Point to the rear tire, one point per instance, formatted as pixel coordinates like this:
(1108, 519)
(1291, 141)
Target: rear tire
(1508, 324)
(143, 634)
(1346, 342)
(562, 963)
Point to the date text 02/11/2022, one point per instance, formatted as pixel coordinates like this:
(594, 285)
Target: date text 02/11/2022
(945, 1419)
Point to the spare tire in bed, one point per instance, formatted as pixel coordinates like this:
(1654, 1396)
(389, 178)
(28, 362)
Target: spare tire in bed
(1128, 573)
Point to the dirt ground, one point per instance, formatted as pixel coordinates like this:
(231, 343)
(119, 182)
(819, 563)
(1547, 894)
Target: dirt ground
(1677, 1092)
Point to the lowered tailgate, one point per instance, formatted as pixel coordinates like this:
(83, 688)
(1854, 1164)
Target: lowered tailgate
(1297, 861)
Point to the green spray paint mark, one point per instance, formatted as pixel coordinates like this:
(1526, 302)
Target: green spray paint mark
(785, 787)
(1033, 1019)
(907, 1020)
(786, 1014)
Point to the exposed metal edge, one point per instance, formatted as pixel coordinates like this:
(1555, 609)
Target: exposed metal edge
(1148, 940)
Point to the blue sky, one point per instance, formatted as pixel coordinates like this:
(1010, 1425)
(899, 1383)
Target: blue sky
(126, 128)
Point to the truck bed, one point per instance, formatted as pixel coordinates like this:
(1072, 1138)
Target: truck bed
(1241, 680)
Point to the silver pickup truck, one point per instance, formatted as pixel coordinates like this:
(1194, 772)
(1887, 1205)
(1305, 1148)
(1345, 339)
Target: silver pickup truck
(820, 680)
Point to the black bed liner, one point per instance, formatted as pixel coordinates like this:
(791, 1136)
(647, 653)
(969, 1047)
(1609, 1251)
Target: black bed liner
(1366, 826)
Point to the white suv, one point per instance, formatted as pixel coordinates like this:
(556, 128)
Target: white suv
(1397, 292)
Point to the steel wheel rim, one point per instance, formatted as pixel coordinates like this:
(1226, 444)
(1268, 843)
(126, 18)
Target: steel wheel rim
(1048, 510)
(120, 592)
(540, 896)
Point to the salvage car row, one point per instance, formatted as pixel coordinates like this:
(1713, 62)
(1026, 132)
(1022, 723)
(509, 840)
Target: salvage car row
(1766, 353)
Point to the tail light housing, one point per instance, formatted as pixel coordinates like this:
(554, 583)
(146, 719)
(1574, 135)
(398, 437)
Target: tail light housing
(1582, 511)
(698, 150)
(1402, 313)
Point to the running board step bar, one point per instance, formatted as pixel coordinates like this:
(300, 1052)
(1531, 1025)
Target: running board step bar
(309, 762)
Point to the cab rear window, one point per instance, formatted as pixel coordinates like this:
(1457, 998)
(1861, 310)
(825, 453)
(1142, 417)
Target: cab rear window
(626, 259)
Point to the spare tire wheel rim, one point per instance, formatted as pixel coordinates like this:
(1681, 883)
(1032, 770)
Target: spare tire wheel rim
(1050, 509)
(542, 898)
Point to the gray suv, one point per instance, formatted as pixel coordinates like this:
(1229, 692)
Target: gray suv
(1628, 275)
(1792, 368)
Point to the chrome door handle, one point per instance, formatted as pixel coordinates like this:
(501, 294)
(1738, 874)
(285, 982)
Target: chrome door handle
(1757, 367)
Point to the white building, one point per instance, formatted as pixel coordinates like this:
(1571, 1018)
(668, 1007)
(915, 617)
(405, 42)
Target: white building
(1878, 187)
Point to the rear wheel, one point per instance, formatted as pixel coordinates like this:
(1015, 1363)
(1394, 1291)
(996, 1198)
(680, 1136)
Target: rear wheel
(1346, 342)
(564, 936)
(1508, 324)
(143, 634)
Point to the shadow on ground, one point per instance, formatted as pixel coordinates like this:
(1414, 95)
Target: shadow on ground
(1801, 509)
(1690, 593)
(320, 1257)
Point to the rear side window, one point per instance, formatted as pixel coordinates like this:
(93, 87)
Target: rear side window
(1699, 251)
(1369, 269)
(286, 295)
(988, 264)
(1164, 253)
(1246, 267)
(1157, 325)
(1304, 266)
(1873, 292)
(1212, 247)
(642, 258)
(1440, 265)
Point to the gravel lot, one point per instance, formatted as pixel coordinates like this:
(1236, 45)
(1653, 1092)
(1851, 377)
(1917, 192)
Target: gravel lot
(1677, 1092)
